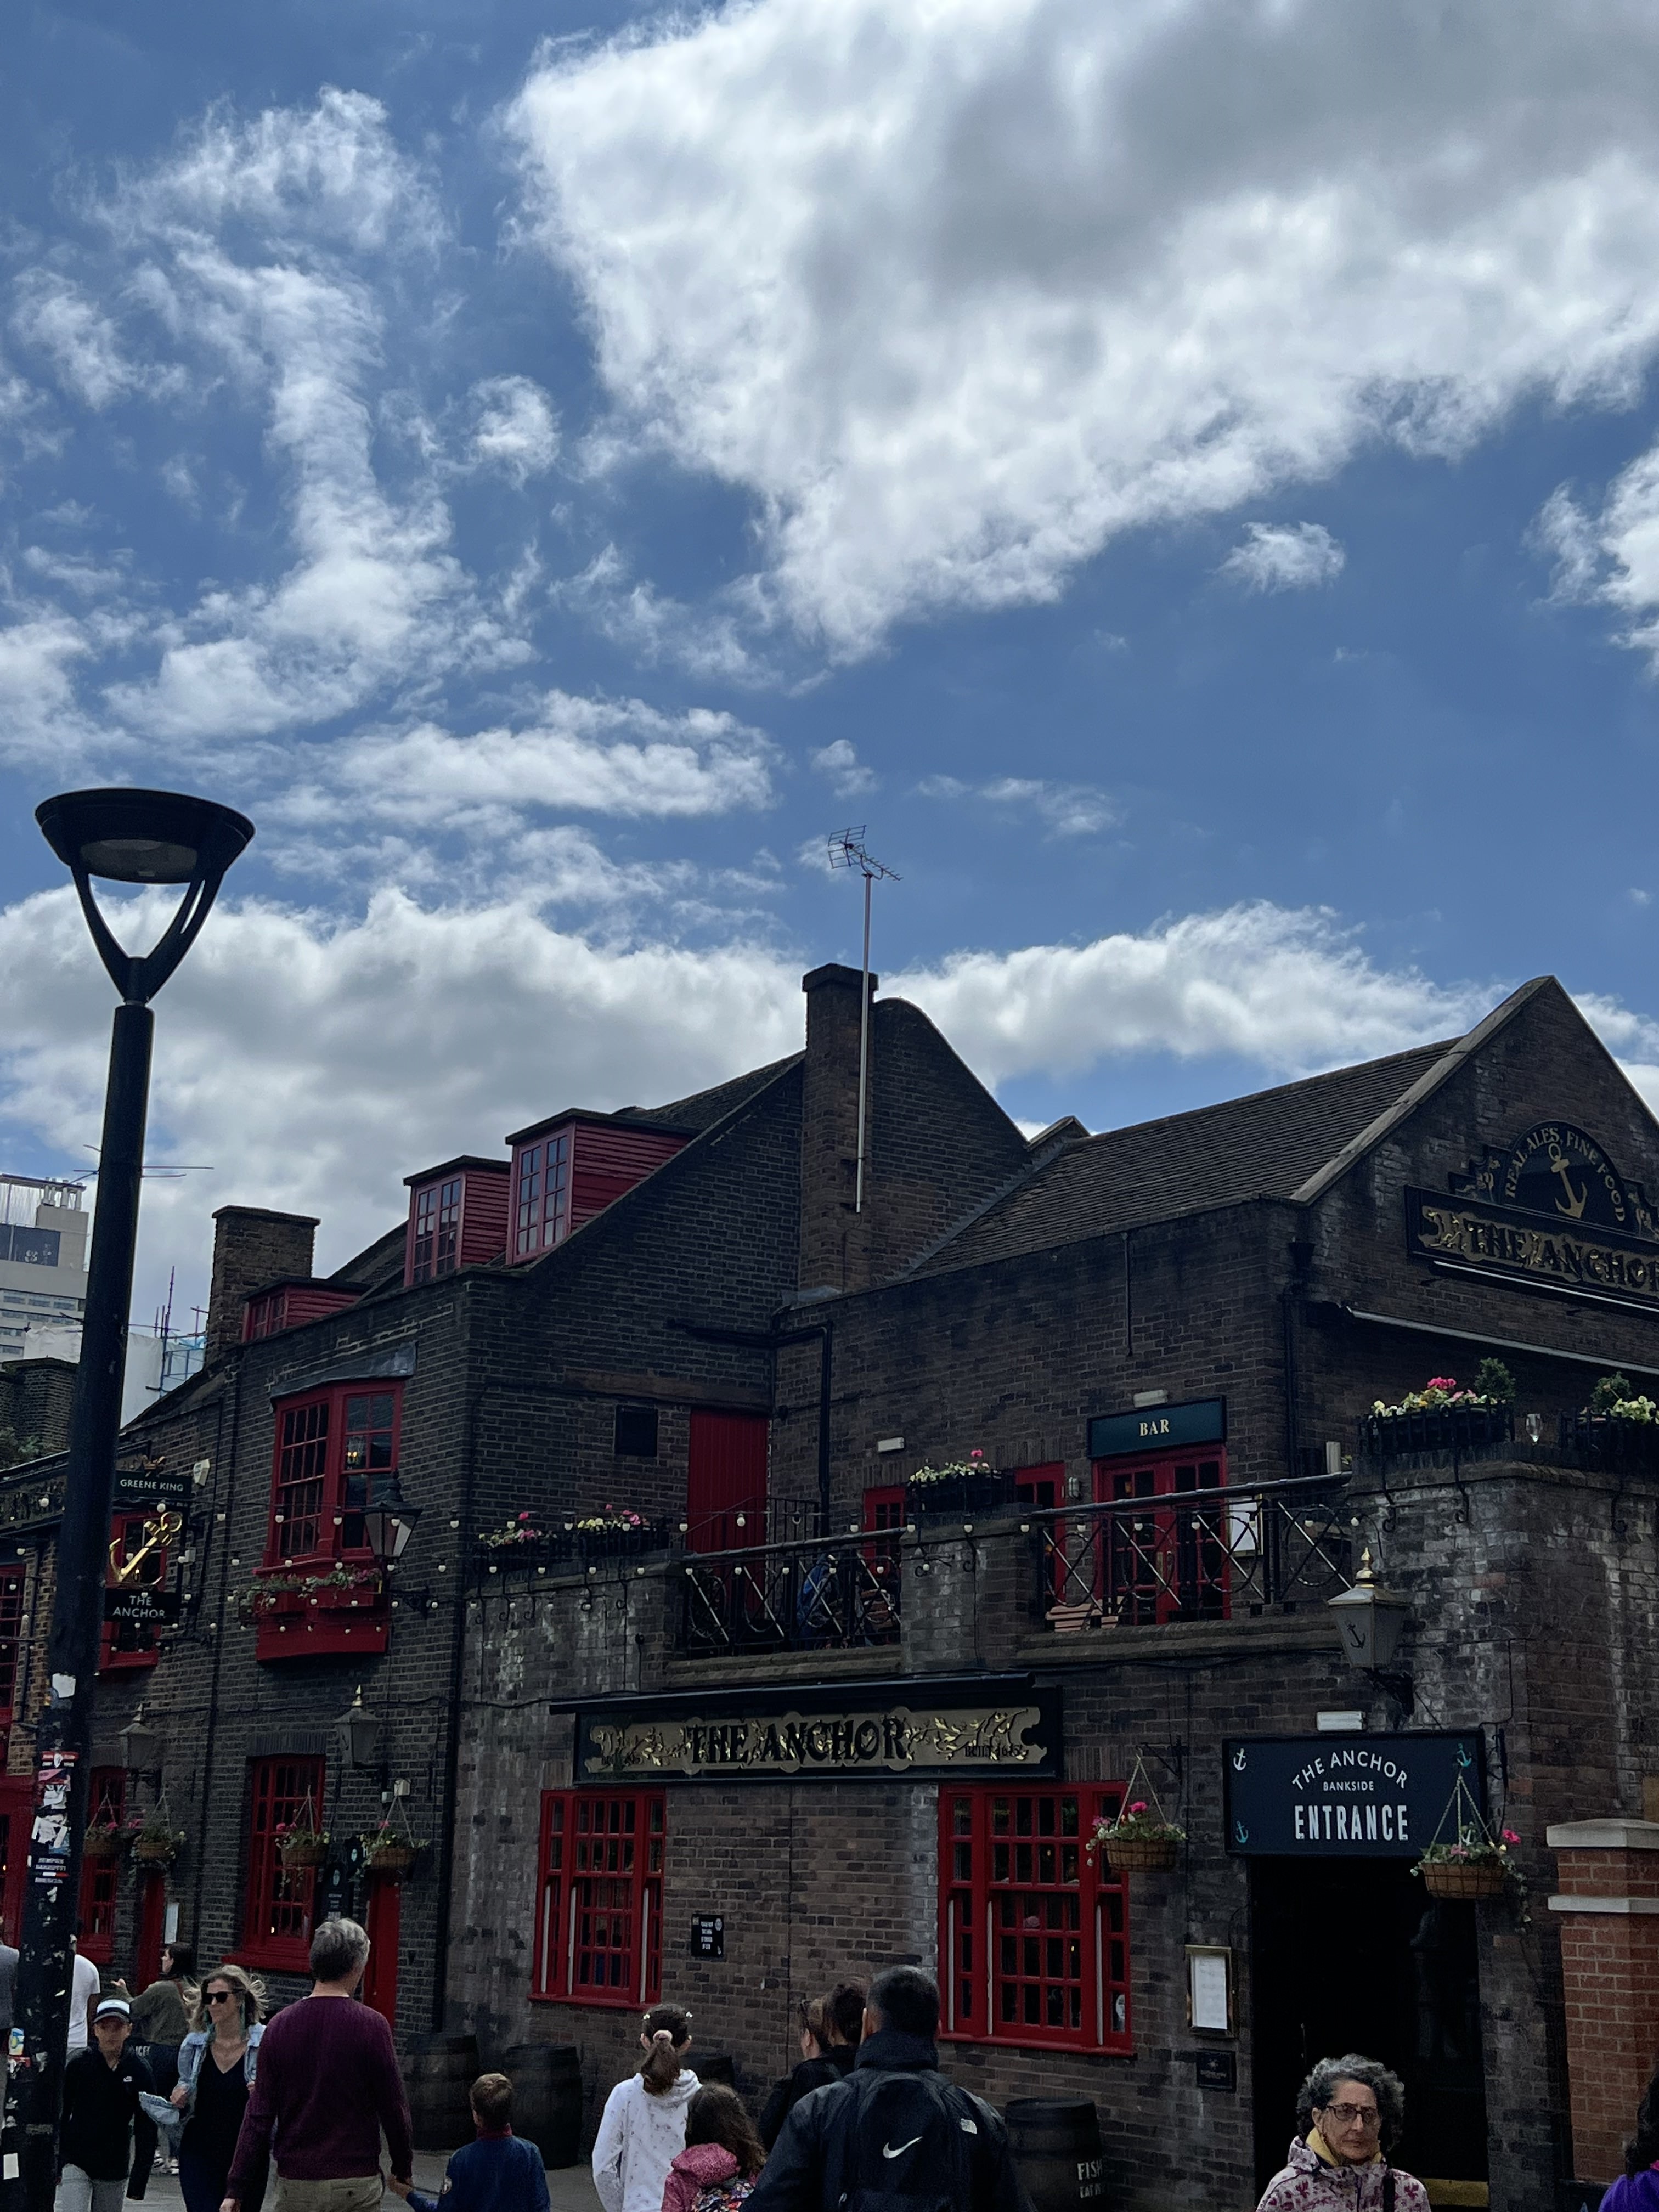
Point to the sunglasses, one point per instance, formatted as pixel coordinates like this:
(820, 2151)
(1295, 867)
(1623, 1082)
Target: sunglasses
(220, 1996)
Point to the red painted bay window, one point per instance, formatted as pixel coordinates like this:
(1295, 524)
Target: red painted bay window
(1034, 1934)
(598, 1922)
(329, 1444)
(277, 1916)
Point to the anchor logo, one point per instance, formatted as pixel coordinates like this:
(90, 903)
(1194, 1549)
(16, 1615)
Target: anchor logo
(1574, 1203)
(1463, 1755)
(1239, 1761)
(1241, 1833)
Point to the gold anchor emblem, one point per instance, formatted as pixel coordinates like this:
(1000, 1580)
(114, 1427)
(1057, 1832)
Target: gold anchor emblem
(1575, 1202)
(159, 1531)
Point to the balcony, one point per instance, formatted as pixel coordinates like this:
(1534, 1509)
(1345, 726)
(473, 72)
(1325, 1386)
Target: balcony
(827, 1594)
(1192, 1555)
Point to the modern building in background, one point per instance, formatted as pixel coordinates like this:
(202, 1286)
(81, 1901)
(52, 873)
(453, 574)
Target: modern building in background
(797, 1583)
(44, 1230)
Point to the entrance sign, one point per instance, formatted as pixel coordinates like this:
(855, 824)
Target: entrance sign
(1158, 1428)
(984, 1725)
(1363, 1796)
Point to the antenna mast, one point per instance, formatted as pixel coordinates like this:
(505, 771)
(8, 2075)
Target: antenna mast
(847, 851)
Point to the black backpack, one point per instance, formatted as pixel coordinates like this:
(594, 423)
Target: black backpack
(914, 2142)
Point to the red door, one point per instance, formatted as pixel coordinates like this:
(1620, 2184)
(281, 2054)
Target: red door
(1043, 1488)
(726, 1482)
(1168, 1561)
(16, 1792)
(383, 1927)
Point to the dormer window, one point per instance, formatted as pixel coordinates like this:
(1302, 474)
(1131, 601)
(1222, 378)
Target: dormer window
(457, 1218)
(541, 1210)
(567, 1169)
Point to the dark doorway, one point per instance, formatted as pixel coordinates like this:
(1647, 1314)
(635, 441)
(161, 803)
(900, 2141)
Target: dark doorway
(1352, 1955)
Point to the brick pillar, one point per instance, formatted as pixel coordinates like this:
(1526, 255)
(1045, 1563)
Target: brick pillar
(831, 1246)
(252, 1248)
(1610, 1906)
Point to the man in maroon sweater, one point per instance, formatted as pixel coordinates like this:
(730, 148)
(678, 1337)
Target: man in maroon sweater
(327, 2083)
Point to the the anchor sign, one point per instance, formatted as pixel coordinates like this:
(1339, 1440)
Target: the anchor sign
(1239, 1761)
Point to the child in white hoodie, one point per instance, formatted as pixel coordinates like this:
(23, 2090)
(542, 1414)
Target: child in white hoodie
(643, 2130)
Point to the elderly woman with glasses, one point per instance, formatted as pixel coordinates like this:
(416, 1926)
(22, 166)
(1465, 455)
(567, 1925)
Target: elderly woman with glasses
(1348, 2111)
(217, 2063)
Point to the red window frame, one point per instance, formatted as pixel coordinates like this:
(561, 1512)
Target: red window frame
(1034, 1934)
(540, 1209)
(598, 1898)
(1164, 1565)
(322, 1440)
(1043, 1488)
(279, 1901)
(107, 1805)
(884, 1516)
(267, 1315)
(124, 1646)
(436, 1249)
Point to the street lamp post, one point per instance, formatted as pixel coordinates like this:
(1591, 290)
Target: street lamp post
(126, 837)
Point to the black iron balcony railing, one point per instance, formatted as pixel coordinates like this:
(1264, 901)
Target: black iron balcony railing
(1208, 1554)
(1446, 1429)
(829, 1594)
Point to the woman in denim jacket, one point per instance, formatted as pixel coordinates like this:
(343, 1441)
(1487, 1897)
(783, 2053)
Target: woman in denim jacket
(216, 2066)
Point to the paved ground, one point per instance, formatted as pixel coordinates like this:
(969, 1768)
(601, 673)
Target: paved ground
(570, 2187)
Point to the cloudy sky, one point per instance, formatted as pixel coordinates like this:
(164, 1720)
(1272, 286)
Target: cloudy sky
(1184, 474)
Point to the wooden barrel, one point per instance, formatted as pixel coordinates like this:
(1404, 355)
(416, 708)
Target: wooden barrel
(1056, 2145)
(547, 2098)
(438, 2071)
(712, 2066)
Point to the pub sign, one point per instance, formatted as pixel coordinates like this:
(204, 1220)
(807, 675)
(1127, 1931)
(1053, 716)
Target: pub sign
(984, 1726)
(1158, 1428)
(1354, 1796)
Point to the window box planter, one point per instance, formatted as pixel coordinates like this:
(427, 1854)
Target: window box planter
(1449, 1429)
(1610, 1444)
(957, 1494)
(595, 1545)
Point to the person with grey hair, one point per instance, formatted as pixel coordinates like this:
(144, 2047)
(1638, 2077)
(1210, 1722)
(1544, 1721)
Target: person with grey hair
(1348, 2112)
(327, 2083)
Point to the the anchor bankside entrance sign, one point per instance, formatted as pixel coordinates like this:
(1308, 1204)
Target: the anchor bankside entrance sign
(1357, 1796)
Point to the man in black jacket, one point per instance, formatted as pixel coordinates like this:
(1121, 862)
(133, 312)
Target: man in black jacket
(106, 2140)
(895, 2137)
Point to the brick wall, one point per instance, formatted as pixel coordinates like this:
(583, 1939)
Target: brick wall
(252, 1248)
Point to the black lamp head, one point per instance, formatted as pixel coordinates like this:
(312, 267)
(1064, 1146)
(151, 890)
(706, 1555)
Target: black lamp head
(126, 835)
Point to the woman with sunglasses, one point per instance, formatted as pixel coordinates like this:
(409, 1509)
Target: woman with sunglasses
(1349, 2112)
(216, 2065)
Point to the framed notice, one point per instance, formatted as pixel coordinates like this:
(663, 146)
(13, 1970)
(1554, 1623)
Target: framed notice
(1209, 1988)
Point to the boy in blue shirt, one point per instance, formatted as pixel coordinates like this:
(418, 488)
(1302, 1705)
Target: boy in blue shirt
(498, 2172)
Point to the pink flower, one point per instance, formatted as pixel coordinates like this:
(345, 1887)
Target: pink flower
(975, 1454)
(1442, 1382)
(1140, 1805)
(1509, 1835)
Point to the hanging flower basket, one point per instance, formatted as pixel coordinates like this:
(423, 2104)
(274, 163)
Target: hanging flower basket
(101, 1841)
(1142, 1854)
(1473, 1878)
(389, 1857)
(302, 1849)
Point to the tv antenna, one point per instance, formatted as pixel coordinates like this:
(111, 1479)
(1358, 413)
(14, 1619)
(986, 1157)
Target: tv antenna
(847, 851)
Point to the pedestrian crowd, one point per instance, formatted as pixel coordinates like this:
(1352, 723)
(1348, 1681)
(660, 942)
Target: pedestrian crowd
(865, 2122)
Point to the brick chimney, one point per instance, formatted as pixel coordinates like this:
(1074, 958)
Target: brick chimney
(252, 1248)
(830, 1243)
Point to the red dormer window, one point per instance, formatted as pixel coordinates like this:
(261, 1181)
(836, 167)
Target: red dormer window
(457, 1218)
(566, 1171)
(266, 1315)
(292, 1303)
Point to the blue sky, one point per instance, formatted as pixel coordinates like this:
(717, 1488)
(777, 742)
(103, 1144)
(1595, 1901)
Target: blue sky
(1184, 475)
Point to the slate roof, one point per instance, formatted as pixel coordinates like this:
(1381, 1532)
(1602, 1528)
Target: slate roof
(1267, 1145)
(704, 1107)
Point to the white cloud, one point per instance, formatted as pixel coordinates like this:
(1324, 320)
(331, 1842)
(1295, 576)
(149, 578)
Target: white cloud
(848, 776)
(54, 316)
(314, 1061)
(1612, 556)
(822, 261)
(1284, 556)
(1070, 810)
(583, 756)
(516, 430)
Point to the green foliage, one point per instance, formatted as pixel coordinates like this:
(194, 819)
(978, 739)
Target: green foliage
(14, 1450)
(1612, 1390)
(1494, 1381)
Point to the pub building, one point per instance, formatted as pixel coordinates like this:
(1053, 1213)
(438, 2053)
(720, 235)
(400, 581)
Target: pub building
(645, 1572)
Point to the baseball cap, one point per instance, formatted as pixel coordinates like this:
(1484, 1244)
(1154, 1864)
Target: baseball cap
(113, 2009)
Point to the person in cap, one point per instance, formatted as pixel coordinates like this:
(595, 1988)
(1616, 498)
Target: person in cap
(107, 2140)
